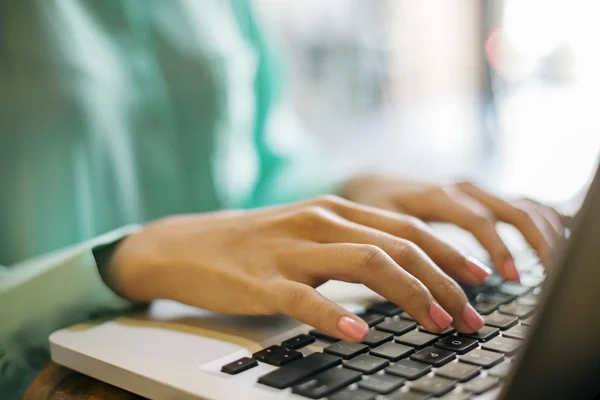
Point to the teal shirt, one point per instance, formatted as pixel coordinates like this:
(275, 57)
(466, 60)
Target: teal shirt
(114, 113)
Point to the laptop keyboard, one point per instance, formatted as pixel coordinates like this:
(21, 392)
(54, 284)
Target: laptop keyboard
(400, 359)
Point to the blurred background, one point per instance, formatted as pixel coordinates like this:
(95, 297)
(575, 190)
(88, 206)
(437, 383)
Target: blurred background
(503, 92)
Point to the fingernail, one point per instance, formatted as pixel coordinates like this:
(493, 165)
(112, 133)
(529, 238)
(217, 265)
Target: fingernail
(472, 318)
(511, 270)
(439, 315)
(352, 328)
(478, 269)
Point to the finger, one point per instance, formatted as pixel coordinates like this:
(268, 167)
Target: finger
(468, 270)
(469, 214)
(305, 304)
(551, 237)
(553, 218)
(527, 223)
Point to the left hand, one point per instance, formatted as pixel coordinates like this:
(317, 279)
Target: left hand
(469, 207)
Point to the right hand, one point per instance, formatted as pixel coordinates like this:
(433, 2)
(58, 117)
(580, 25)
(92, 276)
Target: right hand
(269, 261)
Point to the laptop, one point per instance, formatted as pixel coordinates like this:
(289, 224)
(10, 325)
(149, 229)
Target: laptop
(540, 341)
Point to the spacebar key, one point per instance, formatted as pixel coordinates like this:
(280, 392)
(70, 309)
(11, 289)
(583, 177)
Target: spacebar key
(299, 370)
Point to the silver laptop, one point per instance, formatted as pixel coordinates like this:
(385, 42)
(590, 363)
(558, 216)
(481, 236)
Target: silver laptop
(541, 340)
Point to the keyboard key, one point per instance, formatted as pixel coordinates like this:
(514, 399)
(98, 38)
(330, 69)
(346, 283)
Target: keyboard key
(372, 319)
(455, 396)
(298, 341)
(386, 308)
(458, 371)
(326, 383)
(323, 336)
(404, 315)
(484, 334)
(353, 394)
(497, 298)
(346, 350)
(501, 370)
(529, 300)
(433, 385)
(527, 321)
(502, 345)
(367, 364)
(396, 326)
(501, 321)
(481, 384)
(532, 280)
(276, 355)
(483, 358)
(517, 310)
(382, 384)
(377, 338)
(299, 370)
(513, 289)
(392, 351)
(434, 356)
(416, 339)
(517, 332)
(406, 396)
(457, 344)
(408, 369)
(485, 307)
(448, 331)
(240, 365)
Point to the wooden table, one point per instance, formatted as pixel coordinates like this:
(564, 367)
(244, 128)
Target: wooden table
(59, 383)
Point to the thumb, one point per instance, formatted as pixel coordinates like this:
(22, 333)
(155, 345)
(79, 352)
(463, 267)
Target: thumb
(305, 304)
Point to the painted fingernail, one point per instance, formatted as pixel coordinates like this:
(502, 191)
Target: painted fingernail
(511, 270)
(352, 328)
(472, 318)
(478, 269)
(439, 315)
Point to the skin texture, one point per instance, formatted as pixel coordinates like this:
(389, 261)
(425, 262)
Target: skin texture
(269, 261)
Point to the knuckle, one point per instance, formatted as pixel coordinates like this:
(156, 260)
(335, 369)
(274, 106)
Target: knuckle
(523, 215)
(478, 221)
(313, 214)
(330, 200)
(370, 256)
(417, 293)
(407, 252)
(290, 297)
(413, 226)
(452, 294)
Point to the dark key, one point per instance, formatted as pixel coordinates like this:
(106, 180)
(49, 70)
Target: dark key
(322, 335)
(408, 369)
(346, 350)
(517, 332)
(513, 289)
(497, 298)
(404, 315)
(392, 351)
(518, 310)
(386, 308)
(483, 358)
(458, 371)
(372, 319)
(457, 344)
(240, 365)
(299, 370)
(449, 330)
(481, 384)
(529, 300)
(382, 384)
(377, 338)
(484, 334)
(485, 307)
(326, 383)
(353, 394)
(282, 357)
(367, 364)
(264, 353)
(502, 345)
(434, 356)
(501, 370)
(433, 385)
(416, 339)
(501, 321)
(406, 396)
(455, 396)
(527, 321)
(396, 326)
(298, 341)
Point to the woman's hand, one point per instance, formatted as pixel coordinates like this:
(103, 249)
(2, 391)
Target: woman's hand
(269, 261)
(469, 207)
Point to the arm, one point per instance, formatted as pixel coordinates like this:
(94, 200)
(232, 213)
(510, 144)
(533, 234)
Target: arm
(41, 295)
